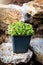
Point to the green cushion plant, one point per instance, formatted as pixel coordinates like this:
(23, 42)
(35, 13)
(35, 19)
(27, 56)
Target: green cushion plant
(20, 28)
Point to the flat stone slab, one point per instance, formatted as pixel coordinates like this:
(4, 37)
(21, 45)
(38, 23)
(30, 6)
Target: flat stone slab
(7, 55)
(37, 46)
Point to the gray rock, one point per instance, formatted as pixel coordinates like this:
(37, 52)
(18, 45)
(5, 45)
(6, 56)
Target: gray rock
(7, 55)
(37, 47)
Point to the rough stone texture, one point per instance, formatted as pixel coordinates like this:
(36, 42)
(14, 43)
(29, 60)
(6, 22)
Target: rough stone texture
(34, 8)
(39, 1)
(3, 29)
(3, 26)
(10, 14)
(19, 2)
(7, 55)
(37, 47)
(38, 26)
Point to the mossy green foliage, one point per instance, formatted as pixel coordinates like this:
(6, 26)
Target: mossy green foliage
(20, 28)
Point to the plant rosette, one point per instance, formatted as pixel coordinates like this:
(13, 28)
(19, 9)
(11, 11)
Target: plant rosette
(20, 28)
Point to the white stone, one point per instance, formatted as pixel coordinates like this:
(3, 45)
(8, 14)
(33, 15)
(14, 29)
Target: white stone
(37, 47)
(7, 55)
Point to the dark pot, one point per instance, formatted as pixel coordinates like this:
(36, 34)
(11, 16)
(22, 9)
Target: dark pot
(20, 43)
